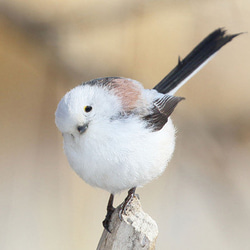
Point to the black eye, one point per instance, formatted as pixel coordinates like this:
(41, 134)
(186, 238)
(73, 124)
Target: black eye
(87, 108)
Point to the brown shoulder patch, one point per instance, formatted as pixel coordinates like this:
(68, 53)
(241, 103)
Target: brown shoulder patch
(129, 91)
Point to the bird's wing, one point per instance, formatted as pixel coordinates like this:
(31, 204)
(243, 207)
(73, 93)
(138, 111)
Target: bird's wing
(194, 61)
(162, 108)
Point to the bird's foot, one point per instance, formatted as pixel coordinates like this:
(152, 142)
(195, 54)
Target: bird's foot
(128, 199)
(107, 219)
(110, 210)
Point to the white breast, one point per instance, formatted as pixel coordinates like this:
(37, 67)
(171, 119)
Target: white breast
(121, 154)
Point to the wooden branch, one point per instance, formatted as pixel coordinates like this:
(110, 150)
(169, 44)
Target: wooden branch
(137, 230)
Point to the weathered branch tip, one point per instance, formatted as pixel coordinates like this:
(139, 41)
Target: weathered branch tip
(137, 230)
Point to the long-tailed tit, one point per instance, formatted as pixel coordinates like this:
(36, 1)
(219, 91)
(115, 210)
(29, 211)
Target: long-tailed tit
(118, 135)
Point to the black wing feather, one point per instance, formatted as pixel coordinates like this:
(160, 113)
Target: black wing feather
(161, 110)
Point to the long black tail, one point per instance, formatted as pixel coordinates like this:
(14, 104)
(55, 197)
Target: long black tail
(197, 58)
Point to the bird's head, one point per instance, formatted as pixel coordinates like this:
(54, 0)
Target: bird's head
(83, 105)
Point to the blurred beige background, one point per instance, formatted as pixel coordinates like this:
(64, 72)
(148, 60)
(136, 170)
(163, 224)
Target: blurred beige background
(47, 47)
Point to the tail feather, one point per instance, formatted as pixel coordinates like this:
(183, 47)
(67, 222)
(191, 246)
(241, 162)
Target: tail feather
(194, 61)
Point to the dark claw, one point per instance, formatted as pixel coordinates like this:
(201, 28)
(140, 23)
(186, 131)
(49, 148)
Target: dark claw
(110, 210)
(107, 220)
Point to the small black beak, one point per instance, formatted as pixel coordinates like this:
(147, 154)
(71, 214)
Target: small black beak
(82, 129)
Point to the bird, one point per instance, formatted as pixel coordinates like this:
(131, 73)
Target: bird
(117, 135)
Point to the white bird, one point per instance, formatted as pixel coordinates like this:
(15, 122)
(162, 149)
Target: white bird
(118, 135)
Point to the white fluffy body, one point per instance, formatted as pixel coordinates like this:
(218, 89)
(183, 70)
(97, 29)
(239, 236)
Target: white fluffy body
(117, 135)
(112, 154)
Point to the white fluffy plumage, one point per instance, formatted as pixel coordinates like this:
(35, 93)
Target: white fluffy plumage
(117, 135)
(117, 151)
